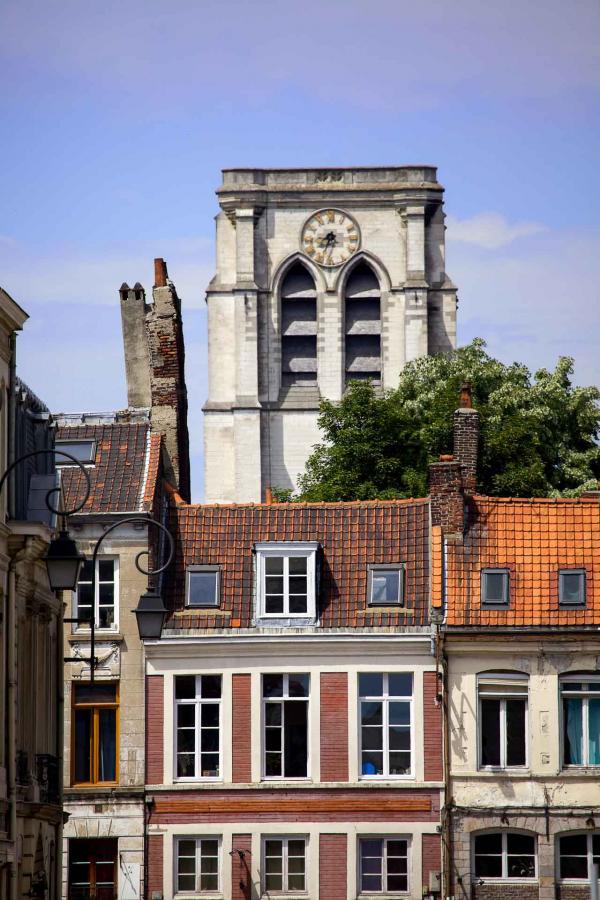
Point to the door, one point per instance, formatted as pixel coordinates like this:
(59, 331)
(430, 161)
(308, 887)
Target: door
(93, 869)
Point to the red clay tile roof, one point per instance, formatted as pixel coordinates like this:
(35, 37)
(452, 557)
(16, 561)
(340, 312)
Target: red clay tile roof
(352, 536)
(125, 471)
(533, 539)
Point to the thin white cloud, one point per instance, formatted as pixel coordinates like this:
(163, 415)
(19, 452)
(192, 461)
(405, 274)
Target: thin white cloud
(490, 230)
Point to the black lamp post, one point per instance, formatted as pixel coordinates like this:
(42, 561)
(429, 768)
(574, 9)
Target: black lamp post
(63, 561)
(150, 614)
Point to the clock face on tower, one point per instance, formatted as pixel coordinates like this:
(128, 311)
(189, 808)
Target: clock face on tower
(330, 237)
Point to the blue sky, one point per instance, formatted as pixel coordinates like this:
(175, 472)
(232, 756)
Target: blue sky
(118, 116)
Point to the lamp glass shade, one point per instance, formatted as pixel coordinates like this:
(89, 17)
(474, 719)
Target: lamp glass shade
(63, 562)
(150, 614)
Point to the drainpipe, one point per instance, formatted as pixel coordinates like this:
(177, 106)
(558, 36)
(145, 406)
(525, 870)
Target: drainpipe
(11, 726)
(594, 885)
(60, 730)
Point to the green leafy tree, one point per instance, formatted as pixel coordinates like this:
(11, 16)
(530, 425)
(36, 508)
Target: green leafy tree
(539, 434)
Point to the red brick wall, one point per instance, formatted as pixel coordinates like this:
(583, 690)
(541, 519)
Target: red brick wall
(432, 729)
(431, 856)
(333, 864)
(241, 729)
(241, 878)
(154, 729)
(334, 726)
(572, 892)
(154, 864)
(506, 892)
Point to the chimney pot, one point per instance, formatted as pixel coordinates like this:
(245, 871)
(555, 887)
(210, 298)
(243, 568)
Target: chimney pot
(466, 398)
(268, 496)
(124, 287)
(446, 457)
(160, 273)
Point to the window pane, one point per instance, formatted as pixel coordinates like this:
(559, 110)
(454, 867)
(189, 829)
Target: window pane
(488, 843)
(397, 882)
(574, 845)
(202, 588)
(400, 684)
(399, 763)
(274, 565)
(370, 684)
(186, 715)
(186, 883)
(295, 739)
(494, 587)
(273, 714)
(84, 595)
(99, 692)
(209, 715)
(490, 733)
(298, 603)
(297, 565)
(273, 848)
(298, 685)
(488, 866)
(399, 738)
(83, 730)
(385, 586)
(209, 765)
(210, 740)
(515, 732)
(273, 765)
(106, 570)
(372, 763)
(81, 450)
(185, 687)
(209, 882)
(274, 584)
(272, 685)
(186, 740)
(399, 713)
(210, 686)
(296, 848)
(571, 587)
(186, 765)
(594, 731)
(106, 616)
(107, 745)
(273, 604)
(573, 731)
(371, 712)
(372, 738)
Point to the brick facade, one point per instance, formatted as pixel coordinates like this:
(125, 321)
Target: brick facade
(154, 729)
(431, 857)
(432, 728)
(241, 877)
(333, 867)
(445, 488)
(334, 726)
(466, 445)
(154, 863)
(241, 730)
(507, 892)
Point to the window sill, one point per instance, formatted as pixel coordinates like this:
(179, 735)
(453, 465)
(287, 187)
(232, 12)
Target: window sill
(580, 770)
(100, 634)
(378, 779)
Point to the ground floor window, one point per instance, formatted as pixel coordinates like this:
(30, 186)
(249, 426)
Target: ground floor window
(284, 864)
(383, 865)
(505, 854)
(577, 854)
(93, 869)
(197, 864)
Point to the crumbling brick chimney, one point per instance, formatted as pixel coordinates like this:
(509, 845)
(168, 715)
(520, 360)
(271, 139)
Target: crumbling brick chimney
(154, 363)
(455, 477)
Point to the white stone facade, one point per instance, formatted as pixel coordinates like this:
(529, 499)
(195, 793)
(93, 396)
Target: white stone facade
(257, 410)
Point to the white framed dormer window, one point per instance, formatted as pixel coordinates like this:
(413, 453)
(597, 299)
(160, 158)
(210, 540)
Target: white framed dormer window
(202, 587)
(502, 720)
(101, 599)
(197, 863)
(386, 729)
(83, 451)
(198, 727)
(287, 581)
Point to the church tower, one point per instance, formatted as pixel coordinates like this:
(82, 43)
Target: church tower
(322, 277)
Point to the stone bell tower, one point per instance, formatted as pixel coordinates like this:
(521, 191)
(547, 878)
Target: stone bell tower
(322, 277)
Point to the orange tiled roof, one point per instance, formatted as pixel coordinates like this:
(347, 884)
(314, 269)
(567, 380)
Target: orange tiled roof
(352, 535)
(125, 471)
(533, 539)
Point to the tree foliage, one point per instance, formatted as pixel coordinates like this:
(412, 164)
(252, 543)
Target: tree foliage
(538, 433)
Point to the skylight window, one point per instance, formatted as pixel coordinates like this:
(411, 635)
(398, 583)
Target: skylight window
(83, 451)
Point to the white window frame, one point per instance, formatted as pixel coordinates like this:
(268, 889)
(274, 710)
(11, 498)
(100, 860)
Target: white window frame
(96, 600)
(286, 549)
(285, 697)
(192, 570)
(217, 892)
(385, 838)
(197, 703)
(504, 680)
(505, 878)
(386, 698)
(585, 720)
(590, 856)
(284, 838)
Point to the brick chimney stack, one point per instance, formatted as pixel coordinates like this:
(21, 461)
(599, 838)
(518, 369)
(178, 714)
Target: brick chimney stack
(466, 439)
(455, 477)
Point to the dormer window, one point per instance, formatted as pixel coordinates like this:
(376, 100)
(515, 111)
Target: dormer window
(286, 580)
(83, 451)
(571, 587)
(386, 585)
(494, 588)
(202, 586)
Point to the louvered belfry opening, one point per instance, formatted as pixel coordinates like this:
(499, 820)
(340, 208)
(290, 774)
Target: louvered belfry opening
(298, 328)
(362, 304)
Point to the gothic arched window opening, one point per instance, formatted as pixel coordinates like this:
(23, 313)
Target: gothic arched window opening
(298, 328)
(362, 326)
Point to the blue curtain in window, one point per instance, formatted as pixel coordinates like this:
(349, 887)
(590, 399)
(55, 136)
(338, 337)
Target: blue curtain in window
(573, 732)
(594, 728)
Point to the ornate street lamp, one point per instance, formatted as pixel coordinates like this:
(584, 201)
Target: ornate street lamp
(150, 614)
(63, 561)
